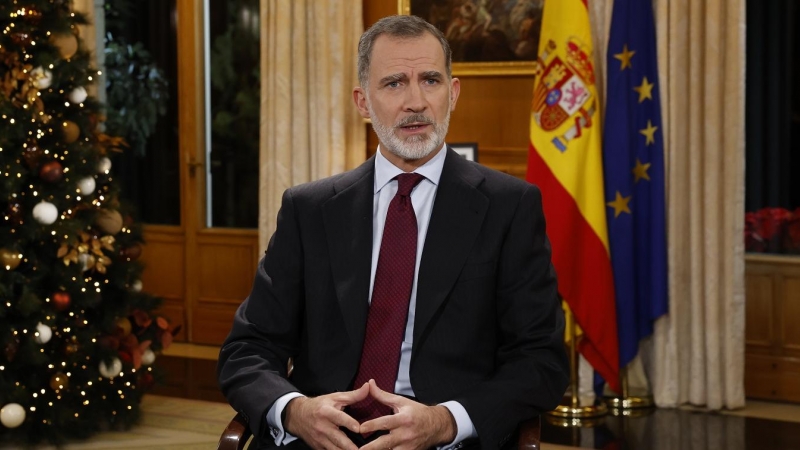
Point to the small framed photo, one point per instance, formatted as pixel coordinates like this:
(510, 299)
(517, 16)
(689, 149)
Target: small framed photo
(469, 150)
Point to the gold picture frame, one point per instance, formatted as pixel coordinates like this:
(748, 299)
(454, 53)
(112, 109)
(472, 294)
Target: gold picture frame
(470, 9)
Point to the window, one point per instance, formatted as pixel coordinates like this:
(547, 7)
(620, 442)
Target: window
(772, 189)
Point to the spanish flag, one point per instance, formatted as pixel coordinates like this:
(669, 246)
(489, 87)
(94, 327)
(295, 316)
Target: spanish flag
(566, 162)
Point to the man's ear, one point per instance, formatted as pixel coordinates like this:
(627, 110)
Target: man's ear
(360, 99)
(455, 90)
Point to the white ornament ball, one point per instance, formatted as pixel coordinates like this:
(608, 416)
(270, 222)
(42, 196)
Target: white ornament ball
(43, 77)
(45, 213)
(78, 95)
(104, 165)
(12, 415)
(86, 185)
(83, 260)
(112, 370)
(137, 286)
(148, 357)
(45, 333)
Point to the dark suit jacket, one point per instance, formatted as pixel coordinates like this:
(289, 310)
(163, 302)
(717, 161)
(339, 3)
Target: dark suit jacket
(488, 331)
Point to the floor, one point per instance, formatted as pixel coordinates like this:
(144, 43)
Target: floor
(174, 419)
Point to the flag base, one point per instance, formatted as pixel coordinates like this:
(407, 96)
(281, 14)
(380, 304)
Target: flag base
(575, 422)
(579, 412)
(631, 406)
(630, 402)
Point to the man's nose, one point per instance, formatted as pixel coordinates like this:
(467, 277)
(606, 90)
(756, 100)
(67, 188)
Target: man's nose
(415, 98)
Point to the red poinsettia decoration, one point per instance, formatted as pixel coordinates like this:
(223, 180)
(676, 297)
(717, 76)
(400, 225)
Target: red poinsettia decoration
(136, 333)
(793, 231)
(772, 230)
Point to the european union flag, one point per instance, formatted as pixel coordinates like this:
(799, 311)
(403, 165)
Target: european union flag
(633, 166)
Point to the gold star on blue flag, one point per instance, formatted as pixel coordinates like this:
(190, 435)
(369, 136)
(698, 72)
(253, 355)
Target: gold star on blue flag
(634, 164)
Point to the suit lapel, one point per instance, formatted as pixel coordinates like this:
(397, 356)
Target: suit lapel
(458, 212)
(347, 219)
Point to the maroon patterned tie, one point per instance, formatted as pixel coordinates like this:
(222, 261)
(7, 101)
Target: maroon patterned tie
(388, 312)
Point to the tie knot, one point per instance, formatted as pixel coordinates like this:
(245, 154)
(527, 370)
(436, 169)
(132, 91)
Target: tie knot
(406, 182)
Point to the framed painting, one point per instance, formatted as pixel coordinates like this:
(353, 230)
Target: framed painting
(469, 150)
(487, 37)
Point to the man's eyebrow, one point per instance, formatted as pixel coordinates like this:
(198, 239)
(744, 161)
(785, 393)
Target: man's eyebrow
(432, 74)
(392, 78)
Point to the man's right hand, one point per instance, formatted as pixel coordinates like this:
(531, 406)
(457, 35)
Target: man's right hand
(316, 420)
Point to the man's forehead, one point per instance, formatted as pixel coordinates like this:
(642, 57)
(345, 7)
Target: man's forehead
(403, 57)
(388, 49)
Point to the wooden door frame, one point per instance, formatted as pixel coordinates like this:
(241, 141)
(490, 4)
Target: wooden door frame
(191, 142)
(210, 269)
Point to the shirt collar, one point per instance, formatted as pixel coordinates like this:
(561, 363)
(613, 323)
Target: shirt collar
(385, 171)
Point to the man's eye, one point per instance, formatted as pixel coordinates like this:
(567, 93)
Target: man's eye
(394, 84)
(431, 81)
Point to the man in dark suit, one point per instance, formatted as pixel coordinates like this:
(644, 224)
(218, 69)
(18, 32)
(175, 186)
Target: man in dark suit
(482, 343)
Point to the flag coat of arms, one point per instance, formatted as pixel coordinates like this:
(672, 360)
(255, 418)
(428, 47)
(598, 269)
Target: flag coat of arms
(566, 162)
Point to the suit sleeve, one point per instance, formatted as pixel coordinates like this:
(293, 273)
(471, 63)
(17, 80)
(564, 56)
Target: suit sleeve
(252, 365)
(532, 368)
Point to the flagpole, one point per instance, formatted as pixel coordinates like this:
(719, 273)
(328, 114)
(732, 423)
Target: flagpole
(626, 404)
(572, 414)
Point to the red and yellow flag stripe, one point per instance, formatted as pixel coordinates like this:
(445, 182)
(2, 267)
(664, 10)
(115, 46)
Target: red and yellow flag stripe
(566, 162)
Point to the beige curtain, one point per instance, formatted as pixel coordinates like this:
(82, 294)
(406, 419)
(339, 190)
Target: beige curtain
(699, 348)
(93, 36)
(697, 353)
(309, 126)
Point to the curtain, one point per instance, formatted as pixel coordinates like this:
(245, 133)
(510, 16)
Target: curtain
(699, 346)
(93, 36)
(697, 352)
(309, 127)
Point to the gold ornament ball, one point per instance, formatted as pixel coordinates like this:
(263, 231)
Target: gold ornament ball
(109, 221)
(59, 381)
(124, 324)
(71, 131)
(10, 259)
(71, 349)
(67, 44)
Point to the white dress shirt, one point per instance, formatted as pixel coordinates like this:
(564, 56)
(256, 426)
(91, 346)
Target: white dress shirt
(422, 198)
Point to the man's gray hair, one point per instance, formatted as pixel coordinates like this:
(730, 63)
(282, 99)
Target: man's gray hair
(403, 27)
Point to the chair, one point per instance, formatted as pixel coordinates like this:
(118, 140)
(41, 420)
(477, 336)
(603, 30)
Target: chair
(237, 433)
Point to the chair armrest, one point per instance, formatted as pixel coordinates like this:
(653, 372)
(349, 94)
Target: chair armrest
(529, 434)
(235, 435)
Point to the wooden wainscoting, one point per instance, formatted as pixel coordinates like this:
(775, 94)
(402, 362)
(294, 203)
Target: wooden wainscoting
(164, 259)
(202, 276)
(226, 265)
(772, 358)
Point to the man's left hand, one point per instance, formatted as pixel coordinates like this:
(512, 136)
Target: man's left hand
(412, 426)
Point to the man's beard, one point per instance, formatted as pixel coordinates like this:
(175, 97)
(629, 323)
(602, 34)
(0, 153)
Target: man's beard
(414, 147)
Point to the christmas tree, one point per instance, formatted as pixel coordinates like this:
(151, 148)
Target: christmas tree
(78, 337)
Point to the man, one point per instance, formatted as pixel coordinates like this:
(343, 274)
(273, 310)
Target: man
(479, 318)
